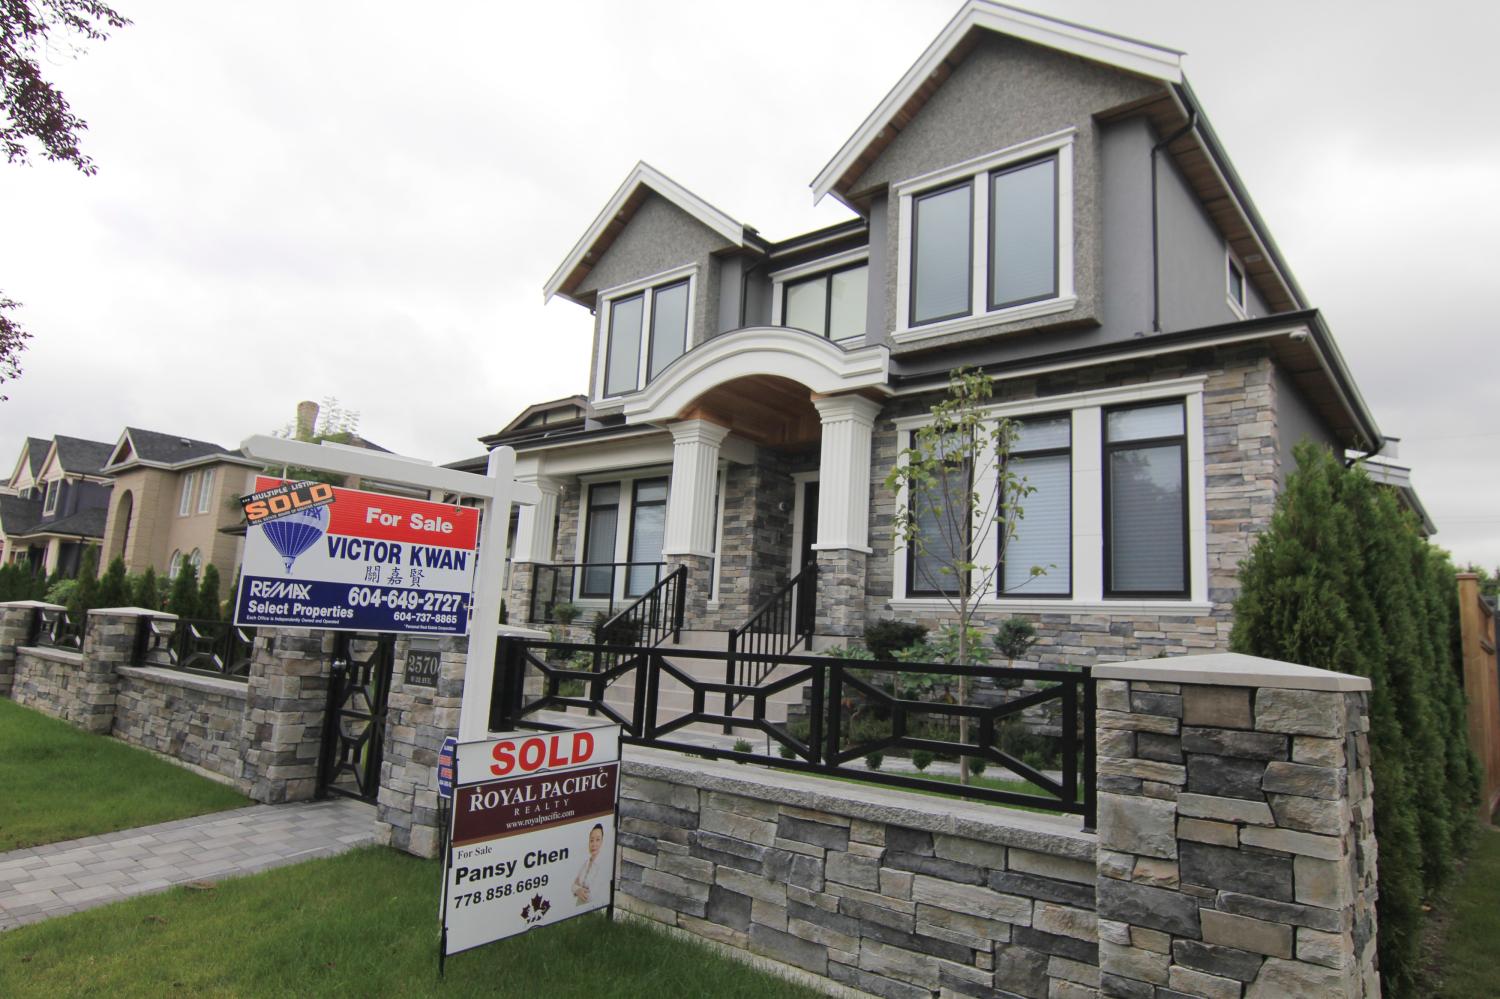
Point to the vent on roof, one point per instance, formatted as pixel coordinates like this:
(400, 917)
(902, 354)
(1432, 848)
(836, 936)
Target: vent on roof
(183, 441)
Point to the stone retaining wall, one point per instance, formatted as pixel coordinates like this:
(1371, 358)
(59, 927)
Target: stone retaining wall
(55, 682)
(197, 719)
(889, 893)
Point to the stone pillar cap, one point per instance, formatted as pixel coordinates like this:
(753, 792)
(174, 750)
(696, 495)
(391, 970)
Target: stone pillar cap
(40, 604)
(1231, 669)
(137, 611)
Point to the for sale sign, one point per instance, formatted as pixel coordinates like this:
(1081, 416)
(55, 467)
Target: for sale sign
(533, 831)
(318, 556)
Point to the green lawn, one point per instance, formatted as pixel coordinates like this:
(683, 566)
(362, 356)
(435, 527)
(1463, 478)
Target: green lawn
(1461, 964)
(361, 924)
(57, 783)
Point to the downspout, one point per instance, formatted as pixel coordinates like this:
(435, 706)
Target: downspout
(1192, 123)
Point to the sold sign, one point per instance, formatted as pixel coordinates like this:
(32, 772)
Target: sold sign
(278, 501)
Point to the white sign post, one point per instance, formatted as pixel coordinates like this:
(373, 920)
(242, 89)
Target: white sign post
(498, 489)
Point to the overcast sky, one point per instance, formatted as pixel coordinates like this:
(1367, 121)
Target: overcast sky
(300, 200)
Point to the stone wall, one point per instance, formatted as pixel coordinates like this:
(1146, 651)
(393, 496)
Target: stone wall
(15, 627)
(1236, 831)
(54, 682)
(286, 698)
(418, 719)
(196, 719)
(888, 893)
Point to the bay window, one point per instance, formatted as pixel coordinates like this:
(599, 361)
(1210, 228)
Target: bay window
(1145, 501)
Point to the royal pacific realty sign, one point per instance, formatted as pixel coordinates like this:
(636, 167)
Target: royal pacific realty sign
(319, 556)
(532, 835)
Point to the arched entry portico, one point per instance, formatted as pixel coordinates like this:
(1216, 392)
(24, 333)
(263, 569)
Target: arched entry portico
(779, 389)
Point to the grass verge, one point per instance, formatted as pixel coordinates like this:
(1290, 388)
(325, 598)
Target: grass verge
(62, 783)
(1461, 954)
(360, 924)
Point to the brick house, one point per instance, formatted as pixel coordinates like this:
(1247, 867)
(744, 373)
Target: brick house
(1037, 199)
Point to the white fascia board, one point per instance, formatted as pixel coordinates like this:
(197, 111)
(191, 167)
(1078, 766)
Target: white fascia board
(49, 463)
(1142, 58)
(819, 364)
(645, 174)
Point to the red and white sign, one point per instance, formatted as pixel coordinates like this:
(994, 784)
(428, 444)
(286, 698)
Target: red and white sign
(533, 833)
(363, 562)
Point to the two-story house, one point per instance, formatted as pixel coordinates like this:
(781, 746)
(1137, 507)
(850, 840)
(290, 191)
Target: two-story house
(56, 507)
(1040, 200)
(175, 502)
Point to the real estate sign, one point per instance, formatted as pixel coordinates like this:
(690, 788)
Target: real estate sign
(533, 833)
(319, 556)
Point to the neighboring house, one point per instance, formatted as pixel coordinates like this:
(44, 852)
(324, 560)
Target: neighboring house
(1035, 198)
(175, 499)
(55, 507)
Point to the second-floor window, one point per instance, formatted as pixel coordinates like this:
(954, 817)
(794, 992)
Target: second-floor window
(645, 330)
(988, 238)
(54, 489)
(185, 503)
(831, 304)
(206, 491)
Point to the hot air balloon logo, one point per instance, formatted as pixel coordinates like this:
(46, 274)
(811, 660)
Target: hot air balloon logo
(296, 532)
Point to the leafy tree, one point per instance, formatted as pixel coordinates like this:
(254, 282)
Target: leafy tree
(86, 594)
(962, 503)
(144, 593)
(114, 588)
(335, 425)
(208, 594)
(32, 110)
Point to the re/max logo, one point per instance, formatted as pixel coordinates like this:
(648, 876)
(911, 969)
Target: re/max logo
(273, 590)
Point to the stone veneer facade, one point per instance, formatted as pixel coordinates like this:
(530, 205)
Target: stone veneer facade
(196, 719)
(1236, 831)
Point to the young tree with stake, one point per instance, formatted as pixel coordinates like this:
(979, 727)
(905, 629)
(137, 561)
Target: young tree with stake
(962, 502)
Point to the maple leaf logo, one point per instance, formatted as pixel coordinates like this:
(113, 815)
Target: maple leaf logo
(537, 910)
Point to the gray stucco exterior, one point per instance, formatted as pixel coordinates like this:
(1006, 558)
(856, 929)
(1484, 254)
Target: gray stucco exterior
(660, 237)
(1004, 93)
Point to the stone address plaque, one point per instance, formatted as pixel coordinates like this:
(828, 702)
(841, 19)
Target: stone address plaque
(422, 667)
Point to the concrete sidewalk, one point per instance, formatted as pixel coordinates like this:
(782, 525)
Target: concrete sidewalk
(44, 881)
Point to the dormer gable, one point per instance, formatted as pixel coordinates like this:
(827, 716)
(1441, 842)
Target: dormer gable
(572, 279)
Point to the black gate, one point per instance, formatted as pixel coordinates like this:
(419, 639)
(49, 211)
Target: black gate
(354, 726)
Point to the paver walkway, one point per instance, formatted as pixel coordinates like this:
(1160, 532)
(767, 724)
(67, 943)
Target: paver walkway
(44, 881)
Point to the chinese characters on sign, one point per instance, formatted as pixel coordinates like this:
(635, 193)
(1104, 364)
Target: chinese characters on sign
(325, 557)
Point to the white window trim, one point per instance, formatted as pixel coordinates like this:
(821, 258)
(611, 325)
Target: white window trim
(1088, 505)
(185, 501)
(51, 496)
(205, 489)
(1060, 143)
(1232, 260)
(780, 279)
(623, 519)
(609, 296)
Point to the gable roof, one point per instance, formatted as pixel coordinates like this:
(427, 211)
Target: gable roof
(83, 457)
(158, 450)
(949, 48)
(33, 453)
(88, 523)
(1174, 113)
(643, 180)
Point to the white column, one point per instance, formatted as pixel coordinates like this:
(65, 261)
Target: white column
(844, 472)
(1088, 504)
(690, 497)
(536, 525)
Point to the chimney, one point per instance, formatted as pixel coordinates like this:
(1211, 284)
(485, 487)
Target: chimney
(307, 419)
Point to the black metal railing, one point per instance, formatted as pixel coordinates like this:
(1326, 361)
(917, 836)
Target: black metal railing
(606, 582)
(57, 629)
(777, 627)
(209, 648)
(856, 709)
(656, 614)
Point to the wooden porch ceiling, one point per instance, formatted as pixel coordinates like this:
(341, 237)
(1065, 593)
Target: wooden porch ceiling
(766, 409)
